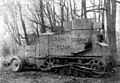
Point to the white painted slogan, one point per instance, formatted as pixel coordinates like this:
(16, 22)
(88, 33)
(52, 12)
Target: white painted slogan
(65, 42)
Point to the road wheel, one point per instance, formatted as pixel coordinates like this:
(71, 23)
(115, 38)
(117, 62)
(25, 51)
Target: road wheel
(34, 67)
(16, 64)
(68, 71)
(54, 70)
(75, 73)
(82, 74)
(62, 71)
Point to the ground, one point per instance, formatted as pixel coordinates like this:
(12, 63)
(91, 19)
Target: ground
(47, 77)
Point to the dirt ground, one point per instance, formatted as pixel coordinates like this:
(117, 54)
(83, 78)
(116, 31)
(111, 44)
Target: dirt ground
(47, 77)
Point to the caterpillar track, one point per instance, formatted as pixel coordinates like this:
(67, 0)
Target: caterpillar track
(93, 66)
(75, 66)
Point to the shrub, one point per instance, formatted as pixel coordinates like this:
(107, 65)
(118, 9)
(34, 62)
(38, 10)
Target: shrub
(5, 50)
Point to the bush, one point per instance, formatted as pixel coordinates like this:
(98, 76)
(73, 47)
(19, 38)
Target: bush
(5, 50)
(9, 48)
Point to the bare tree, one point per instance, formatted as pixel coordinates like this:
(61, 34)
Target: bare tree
(38, 12)
(49, 14)
(23, 24)
(10, 20)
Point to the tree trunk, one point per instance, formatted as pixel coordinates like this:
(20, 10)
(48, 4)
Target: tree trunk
(71, 10)
(62, 13)
(67, 12)
(85, 13)
(54, 18)
(83, 10)
(111, 30)
(25, 32)
(43, 29)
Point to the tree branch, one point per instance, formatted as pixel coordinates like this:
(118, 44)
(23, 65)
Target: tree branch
(118, 2)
